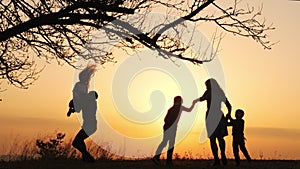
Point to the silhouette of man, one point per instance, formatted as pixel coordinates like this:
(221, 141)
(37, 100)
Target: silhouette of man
(89, 125)
(238, 141)
(170, 128)
(216, 124)
(85, 102)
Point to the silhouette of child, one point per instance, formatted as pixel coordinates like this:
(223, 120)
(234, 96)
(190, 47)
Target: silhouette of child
(80, 89)
(170, 128)
(238, 141)
(89, 125)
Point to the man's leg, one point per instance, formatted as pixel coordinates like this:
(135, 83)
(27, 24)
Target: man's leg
(79, 144)
(78, 141)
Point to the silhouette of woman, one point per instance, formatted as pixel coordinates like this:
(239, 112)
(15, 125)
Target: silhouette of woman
(216, 124)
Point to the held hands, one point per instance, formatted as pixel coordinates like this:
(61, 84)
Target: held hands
(196, 100)
(192, 106)
(228, 116)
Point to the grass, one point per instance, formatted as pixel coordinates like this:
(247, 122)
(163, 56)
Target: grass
(52, 146)
(144, 164)
(54, 152)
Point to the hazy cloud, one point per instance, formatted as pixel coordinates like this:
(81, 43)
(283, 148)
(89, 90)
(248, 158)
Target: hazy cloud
(273, 132)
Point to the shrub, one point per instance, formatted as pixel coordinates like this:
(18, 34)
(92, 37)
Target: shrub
(52, 148)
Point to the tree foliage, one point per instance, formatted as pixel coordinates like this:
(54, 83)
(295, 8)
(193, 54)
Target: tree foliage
(59, 29)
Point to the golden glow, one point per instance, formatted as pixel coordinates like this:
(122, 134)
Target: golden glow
(263, 83)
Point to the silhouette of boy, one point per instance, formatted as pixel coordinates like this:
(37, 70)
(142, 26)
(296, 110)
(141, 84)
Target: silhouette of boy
(238, 141)
(170, 128)
(89, 125)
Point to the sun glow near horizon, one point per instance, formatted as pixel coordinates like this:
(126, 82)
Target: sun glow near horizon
(263, 83)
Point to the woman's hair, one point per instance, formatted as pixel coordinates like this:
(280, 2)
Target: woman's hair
(213, 85)
(87, 73)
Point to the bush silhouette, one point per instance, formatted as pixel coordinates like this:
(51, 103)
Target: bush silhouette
(52, 148)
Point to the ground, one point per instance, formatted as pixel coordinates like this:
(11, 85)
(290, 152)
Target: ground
(145, 164)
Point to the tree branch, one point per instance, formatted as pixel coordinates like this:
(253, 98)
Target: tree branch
(180, 20)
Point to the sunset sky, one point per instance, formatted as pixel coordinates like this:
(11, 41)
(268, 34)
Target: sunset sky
(264, 83)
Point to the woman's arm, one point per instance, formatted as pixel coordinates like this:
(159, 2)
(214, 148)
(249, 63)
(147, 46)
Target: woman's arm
(228, 117)
(229, 107)
(204, 96)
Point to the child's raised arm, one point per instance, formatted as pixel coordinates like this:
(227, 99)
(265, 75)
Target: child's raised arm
(190, 108)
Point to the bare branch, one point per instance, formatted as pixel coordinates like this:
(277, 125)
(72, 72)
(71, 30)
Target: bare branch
(61, 29)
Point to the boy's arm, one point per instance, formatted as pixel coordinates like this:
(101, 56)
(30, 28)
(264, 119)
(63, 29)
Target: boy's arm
(190, 108)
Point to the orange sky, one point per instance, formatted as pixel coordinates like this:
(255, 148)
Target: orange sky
(264, 83)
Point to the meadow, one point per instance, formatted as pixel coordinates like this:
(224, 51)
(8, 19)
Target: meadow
(145, 164)
(54, 152)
